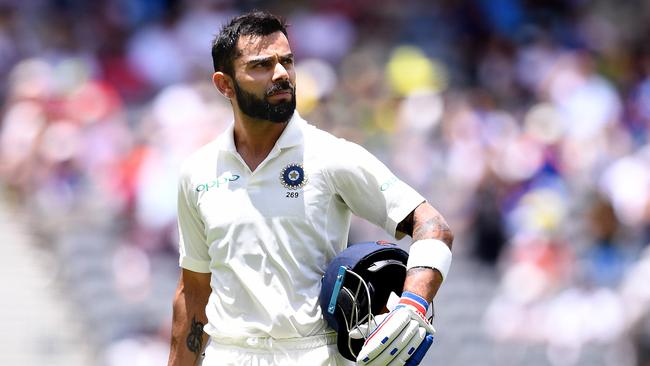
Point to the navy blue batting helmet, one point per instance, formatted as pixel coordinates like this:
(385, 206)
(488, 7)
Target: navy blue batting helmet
(356, 287)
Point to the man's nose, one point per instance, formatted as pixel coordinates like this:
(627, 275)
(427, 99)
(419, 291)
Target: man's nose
(280, 72)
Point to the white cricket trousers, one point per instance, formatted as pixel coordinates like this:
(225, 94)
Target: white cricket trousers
(319, 350)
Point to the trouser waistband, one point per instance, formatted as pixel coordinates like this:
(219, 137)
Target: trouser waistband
(298, 343)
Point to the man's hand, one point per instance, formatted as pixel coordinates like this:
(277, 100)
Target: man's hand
(397, 338)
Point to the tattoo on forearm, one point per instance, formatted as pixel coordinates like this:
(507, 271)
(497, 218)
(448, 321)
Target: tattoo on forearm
(195, 338)
(434, 227)
(425, 222)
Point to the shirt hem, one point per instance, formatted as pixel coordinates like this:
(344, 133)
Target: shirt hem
(194, 265)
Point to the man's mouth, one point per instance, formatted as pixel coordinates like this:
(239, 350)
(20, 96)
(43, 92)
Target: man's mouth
(280, 89)
(281, 92)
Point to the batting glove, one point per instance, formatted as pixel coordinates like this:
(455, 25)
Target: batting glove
(402, 337)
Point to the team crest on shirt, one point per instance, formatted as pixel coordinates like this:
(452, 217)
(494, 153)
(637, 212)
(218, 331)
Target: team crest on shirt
(293, 176)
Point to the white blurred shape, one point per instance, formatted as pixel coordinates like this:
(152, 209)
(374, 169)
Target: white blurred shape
(627, 183)
(587, 102)
(504, 318)
(498, 128)
(466, 163)
(564, 320)
(543, 123)
(60, 142)
(156, 55)
(524, 283)
(578, 316)
(31, 78)
(635, 290)
(196, 30)
(22, 123)
(140, 351)
(72, 72)
(156, 187)
(604, 316)
(421, 110)
(517, 159)
(323, 35)
(177, 105)
(132, 273)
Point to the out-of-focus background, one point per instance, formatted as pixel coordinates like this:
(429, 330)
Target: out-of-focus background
(525, 122)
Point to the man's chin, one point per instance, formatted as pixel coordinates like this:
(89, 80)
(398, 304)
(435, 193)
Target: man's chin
(282, 117)
(274, 116)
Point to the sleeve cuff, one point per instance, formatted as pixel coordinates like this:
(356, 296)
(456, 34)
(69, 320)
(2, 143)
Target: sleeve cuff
(399, 213)
(194, 265)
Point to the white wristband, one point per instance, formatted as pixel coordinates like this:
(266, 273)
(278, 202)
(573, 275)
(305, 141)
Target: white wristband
(431, 253)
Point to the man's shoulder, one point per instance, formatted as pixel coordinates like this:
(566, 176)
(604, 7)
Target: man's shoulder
(317, 137)
(204, 155)
(331, 151)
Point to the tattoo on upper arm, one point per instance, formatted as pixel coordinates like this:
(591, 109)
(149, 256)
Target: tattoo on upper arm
(195, 338)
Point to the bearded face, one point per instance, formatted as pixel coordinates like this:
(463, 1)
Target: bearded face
(261, 108)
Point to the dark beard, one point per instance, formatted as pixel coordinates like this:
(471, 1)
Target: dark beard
(255, 107)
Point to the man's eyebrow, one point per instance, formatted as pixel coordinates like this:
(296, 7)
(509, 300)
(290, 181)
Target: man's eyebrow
(257, 60)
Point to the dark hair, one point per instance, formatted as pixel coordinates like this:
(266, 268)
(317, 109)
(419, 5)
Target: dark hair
(256, 23)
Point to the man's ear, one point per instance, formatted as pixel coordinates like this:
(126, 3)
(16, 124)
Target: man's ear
(224, 84)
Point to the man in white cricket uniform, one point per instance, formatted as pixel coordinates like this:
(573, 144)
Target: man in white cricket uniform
(264, 208)
(267, 236)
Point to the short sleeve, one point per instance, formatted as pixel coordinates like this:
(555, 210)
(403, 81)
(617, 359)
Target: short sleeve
(193, 246)
(370, 189)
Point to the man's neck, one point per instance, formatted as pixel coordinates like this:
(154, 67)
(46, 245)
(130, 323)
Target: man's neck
(254, 138)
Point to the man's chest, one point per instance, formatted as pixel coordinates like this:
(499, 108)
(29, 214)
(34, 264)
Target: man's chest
(287, 188)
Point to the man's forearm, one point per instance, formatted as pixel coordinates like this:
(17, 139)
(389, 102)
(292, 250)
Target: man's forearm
(188, 338)
(425, 222)
(428, 223)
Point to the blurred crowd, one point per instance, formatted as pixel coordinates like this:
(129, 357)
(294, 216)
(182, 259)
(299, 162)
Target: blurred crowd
(527, 123)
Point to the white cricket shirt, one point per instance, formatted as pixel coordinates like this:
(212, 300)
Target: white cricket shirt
(267, 236)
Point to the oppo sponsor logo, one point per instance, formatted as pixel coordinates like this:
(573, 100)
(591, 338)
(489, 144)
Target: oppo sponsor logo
(389, 183)
(216, 183)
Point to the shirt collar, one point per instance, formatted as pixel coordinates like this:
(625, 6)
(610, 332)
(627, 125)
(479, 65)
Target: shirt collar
(291, 136)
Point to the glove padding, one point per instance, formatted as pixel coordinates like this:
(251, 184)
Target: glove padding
(399, 334)
(419, 353)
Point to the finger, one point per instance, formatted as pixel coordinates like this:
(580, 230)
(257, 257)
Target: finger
(357, 333)
(401, 341)
(408, 351)
(419, 353)
(382, 336)
(425, 323)
(362, 331)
